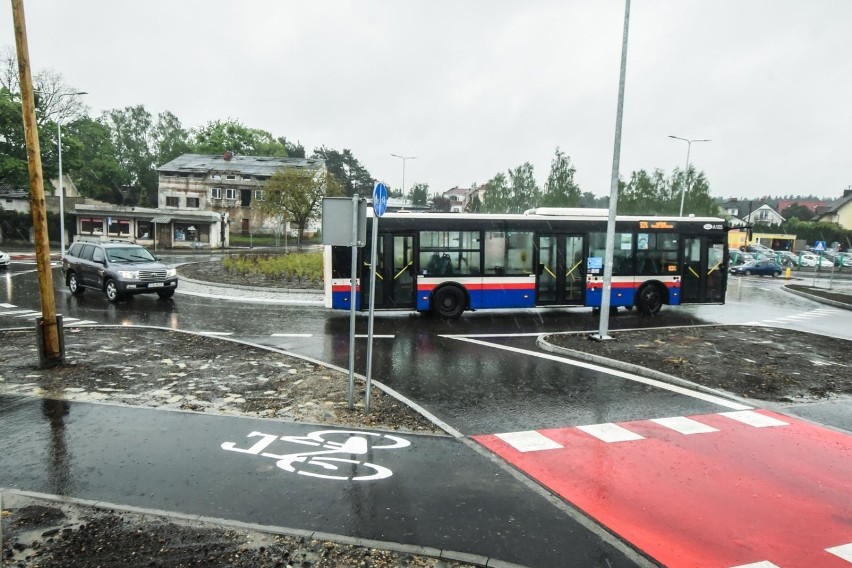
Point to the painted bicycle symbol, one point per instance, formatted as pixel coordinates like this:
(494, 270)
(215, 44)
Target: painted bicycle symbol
(324, 463)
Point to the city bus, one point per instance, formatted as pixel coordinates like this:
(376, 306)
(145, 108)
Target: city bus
(447, 263)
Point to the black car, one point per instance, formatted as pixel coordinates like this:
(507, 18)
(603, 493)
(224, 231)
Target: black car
(761, 267)
(117, 269)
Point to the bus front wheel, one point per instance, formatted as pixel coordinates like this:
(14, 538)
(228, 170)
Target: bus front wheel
(649, 300)
(448, 302)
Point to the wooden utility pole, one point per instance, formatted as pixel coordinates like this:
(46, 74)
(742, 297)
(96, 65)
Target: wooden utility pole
(51, 350)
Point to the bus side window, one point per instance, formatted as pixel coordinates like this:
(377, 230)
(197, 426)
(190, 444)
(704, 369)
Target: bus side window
(434, 262)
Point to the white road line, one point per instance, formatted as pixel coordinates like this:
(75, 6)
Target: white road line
(614, 372)
(684, 425)
(8, 306)
(843, 551)
(292, 335)
(375, 336)
(610, 432)
(529, 441)
(753, 419)
(84, 322)
(29, 315)
(215, 333)
(16, 312)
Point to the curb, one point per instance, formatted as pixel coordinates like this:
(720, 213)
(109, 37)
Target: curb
(441, 554)
(819, 299)
(244, 288)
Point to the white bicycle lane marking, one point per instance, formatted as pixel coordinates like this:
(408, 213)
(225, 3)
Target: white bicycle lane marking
(349, 443)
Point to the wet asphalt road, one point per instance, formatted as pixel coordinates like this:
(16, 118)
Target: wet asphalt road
(479, 374)
(441, 493)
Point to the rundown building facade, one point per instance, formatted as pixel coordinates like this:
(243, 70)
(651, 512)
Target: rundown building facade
(225, 184)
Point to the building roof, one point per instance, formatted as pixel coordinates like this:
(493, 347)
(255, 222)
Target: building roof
(837, 205)
(251, 165)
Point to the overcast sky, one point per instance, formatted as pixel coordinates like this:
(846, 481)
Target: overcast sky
(473, 88)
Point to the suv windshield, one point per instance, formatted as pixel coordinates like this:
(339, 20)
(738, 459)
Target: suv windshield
(129, 254)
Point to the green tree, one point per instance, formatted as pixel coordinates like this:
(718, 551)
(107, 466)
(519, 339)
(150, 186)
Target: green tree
(132, 134)
(644, 194)
(560, 189)
(347, 170)
(170, 138)
(441, 204)
(13, 151)
(297, 195)
(89, 158)
(498, 195)
(217, 137)
(420, 194)
(800, 212)
(525, 193)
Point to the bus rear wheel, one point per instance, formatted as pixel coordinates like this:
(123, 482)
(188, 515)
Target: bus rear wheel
(649, 299)
(448, 302)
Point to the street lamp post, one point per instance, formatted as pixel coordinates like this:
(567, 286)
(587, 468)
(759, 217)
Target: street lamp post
(686, 170)
(61, 190)
(403, 158)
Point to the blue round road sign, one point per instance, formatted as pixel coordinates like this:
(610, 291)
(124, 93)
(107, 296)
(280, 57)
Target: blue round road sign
(380, 199)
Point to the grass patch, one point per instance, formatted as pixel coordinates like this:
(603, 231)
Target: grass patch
(286, 267)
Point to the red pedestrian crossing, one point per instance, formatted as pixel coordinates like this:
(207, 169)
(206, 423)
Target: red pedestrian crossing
(748, 488)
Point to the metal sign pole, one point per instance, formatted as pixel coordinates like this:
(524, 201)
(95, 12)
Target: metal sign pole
(352, 293)
(373, 264)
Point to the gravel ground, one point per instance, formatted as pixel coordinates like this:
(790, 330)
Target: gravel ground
(212, 375)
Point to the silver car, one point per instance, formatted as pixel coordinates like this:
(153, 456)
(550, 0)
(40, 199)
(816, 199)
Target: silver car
(5, 259)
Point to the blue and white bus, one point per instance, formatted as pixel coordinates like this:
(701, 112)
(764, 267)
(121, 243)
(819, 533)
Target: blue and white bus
(449, 263)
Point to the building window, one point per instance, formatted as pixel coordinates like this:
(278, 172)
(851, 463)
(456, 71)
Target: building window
(246, 178)
(143, 229)
(231, 177)
(172, 201)
(118, 227)
(93, 226)
(192, 202)
(258, 195)
(216, 193)
(230, 193)
(215, 176)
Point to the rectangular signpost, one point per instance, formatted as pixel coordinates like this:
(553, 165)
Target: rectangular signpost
(344, 223)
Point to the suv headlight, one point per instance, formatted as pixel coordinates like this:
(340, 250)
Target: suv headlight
(171, 272)
(129, 274)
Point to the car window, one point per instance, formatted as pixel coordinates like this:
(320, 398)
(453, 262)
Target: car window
(86, 253)
(74, 250)
(129, 254)
(98, 255)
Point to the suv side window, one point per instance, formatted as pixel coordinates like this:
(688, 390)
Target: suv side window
(98, 255)
(75, 249)
(86, 253)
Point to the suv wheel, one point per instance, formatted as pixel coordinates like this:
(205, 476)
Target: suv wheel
(74, 285)
(165, 294)
(111, 291)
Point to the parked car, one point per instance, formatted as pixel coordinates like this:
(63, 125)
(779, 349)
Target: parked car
(760, 249)
(759, 267)
(117, 269)
(842, 260)
(737, 257)
(5, 259)
(787, 258)
(809, 259)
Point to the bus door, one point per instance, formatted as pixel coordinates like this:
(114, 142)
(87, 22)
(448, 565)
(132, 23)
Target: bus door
(560, 272)
(703, 276)
(395, 276)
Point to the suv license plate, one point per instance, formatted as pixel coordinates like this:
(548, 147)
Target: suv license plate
(155, 285)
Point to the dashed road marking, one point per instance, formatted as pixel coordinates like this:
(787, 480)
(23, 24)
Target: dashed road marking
(844, 551)
(529, 441)
(292, 335)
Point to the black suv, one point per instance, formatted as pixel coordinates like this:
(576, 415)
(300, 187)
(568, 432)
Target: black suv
(117, 269)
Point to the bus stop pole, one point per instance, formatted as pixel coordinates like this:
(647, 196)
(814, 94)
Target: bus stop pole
(353, 291)
(373, 263)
